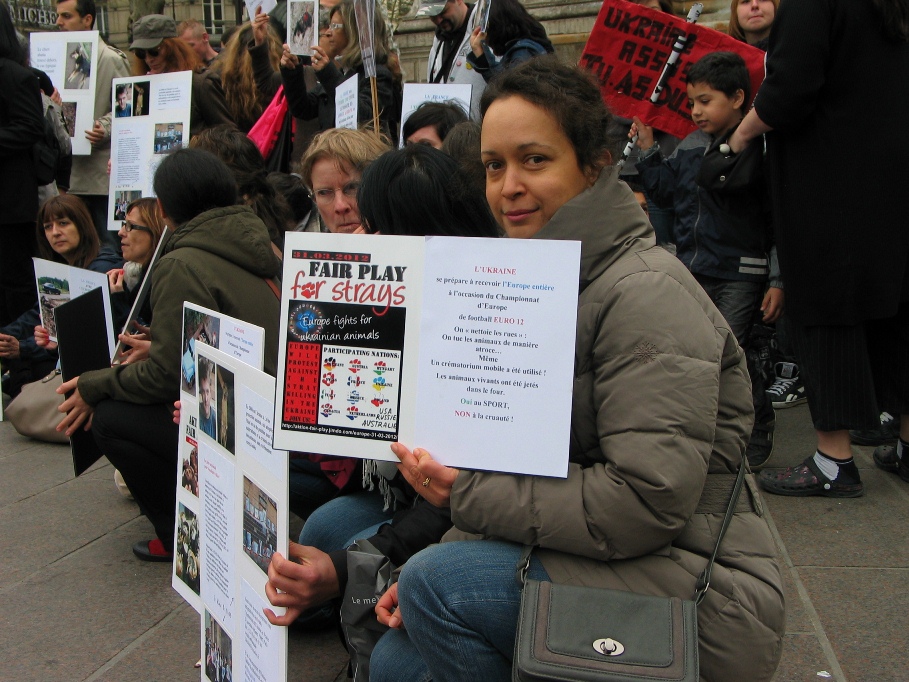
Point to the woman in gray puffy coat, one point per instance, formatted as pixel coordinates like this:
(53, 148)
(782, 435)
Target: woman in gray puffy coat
(661, 414)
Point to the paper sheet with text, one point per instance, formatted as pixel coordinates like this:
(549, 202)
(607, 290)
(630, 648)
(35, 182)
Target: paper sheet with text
(462, 346)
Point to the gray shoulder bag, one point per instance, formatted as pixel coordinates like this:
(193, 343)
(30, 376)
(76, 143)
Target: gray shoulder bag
(591, 634)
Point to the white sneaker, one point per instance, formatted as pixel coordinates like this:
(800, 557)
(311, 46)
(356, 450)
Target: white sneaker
(788, 389)
(121, 485)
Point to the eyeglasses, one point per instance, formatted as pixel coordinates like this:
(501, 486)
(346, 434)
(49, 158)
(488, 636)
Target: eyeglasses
(336, 27)
(326, 195)
(153, 53)
(129, 227)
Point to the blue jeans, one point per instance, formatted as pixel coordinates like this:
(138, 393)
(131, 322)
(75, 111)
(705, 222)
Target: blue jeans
(342, 521)
(334, 526)
(460, 604)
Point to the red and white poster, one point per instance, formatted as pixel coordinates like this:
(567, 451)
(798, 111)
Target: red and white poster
(629, 46)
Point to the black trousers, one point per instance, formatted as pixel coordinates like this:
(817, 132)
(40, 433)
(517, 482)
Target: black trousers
(17, 273)
(141, 441)
(852, 373)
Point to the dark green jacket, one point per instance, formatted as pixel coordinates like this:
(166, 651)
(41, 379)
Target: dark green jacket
(218, 260)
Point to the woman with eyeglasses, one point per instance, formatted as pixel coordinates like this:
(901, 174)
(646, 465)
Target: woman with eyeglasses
(338, 63)
(332, 168)
(157, 49)
(65, 234)
(139, 235)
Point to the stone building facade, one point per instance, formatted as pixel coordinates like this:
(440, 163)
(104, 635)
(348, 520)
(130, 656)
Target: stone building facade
(567, 22)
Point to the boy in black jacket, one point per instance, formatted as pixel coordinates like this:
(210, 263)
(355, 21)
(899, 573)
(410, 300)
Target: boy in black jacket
(723, 238)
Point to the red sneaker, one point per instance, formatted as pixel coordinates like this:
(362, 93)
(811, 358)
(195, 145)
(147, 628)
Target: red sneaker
(152, 550)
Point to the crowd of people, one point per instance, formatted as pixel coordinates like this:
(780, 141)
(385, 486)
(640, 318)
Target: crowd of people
(703, 305)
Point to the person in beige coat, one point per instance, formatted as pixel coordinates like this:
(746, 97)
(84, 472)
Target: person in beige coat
(661, 415)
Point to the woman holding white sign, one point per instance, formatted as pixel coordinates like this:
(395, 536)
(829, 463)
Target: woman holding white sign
(343, 60)
(661, 413)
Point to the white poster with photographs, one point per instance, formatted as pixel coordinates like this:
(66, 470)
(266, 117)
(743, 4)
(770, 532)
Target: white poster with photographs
(245, 342)
(302, 26)
(150, 119)
(58, 283)
(70, 59)
(416, 94)
(244, 520)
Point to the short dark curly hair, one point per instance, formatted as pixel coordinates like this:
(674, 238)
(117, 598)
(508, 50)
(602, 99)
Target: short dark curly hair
(569, 94)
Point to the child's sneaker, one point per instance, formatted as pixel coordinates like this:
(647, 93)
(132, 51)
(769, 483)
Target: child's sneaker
(884, 434)
(788, 389)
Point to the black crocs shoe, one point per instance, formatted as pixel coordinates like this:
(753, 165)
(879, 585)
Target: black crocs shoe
(885, 458)
(806, 480)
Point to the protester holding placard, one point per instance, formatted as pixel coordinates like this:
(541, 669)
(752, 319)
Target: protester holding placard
(418, 191)
(64, 234)
(218, 257)
(157, 49)
(447, 62)
(332, 168)
(89, 174)
(512, 33)
(139, 234)
(340, 62)
(247, 72)
(629, 515)
(722, 235)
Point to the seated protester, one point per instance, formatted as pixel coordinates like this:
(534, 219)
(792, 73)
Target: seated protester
(332, 168)
(301, 213)
(431, 122)
(629, 515)
(462, 143)
(219, 257)
(513, 33)
(65, 234)
(157, 49)
(246, 74)
(246, 164)
(139, 235)
(411, 191)
(338, 64)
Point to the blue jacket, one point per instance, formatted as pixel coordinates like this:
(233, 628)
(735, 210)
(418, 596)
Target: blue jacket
(518, 51)
(727, 237)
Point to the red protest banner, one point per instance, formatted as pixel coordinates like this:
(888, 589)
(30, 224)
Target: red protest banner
(629, 46)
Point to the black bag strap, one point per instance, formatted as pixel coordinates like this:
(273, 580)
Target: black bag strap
(703, 582)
